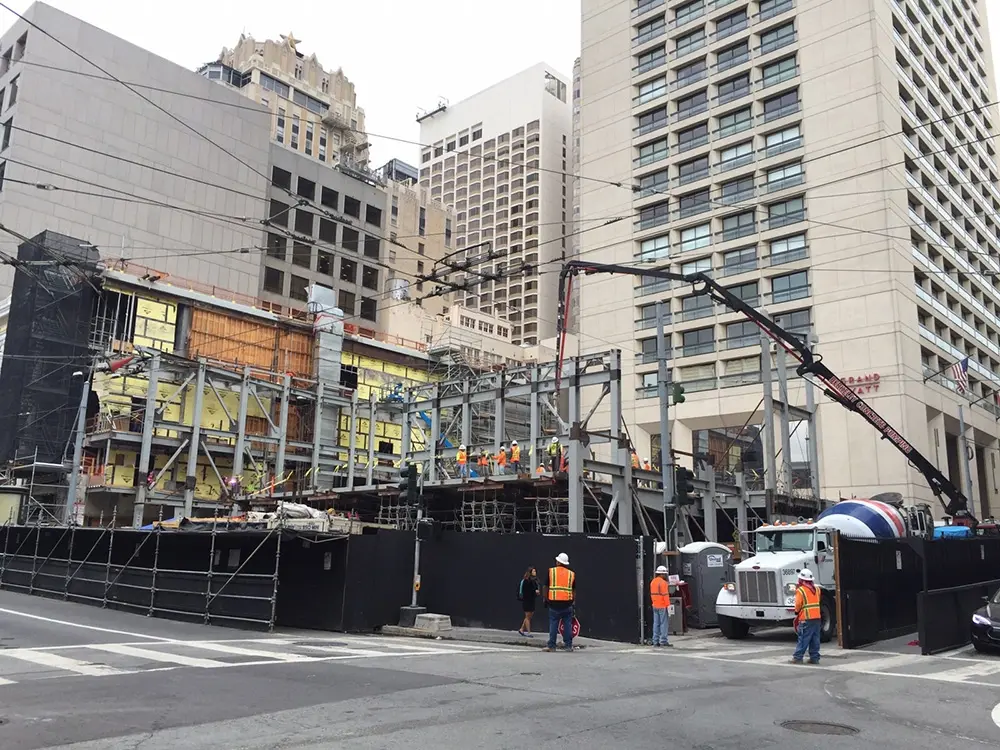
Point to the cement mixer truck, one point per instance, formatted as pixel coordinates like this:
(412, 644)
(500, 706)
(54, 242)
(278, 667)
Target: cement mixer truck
(764, 589)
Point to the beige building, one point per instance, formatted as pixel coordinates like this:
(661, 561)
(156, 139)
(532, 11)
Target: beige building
(834, 164)
(315, 110)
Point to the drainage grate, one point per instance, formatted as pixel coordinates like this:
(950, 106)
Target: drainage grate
(819, 727)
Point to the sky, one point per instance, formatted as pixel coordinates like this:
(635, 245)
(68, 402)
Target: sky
(400, 54)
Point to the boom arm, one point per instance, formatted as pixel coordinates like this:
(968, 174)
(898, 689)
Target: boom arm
(956, 505)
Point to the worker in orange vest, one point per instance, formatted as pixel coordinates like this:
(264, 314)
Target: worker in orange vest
(808, 618)
(645, 465)
(463, 462)
(515, 457)
(635, 460)
(484, 463)
(659, 593)
(564, 460)
(501, 459)
(560, 592)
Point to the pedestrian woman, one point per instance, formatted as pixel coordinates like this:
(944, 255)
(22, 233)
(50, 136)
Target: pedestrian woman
(527, 592)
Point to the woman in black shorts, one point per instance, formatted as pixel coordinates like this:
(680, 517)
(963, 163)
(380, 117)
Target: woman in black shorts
(527, 592)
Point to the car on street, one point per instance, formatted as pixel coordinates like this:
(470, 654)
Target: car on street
(986, 625)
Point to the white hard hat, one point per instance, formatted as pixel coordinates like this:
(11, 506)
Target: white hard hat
(461, 447)
(555, 439)
(502, 446)
(661, 570)
(805, 575)
(646, 460)
(562, 558)
(513, 442)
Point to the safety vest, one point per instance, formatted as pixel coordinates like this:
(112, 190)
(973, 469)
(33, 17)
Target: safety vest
(646, 466)
(515, 454)
(659, 592)
(502, 458)
(484, 459)
(635, 461)
(563, 463)
(553, 449)
(462, 458)
(561, 584)
(807, 603)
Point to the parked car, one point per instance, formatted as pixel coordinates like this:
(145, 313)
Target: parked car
(986, 625)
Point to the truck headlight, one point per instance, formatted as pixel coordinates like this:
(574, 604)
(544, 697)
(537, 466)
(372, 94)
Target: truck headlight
(731, 587)
(980, 620)
(790, 589)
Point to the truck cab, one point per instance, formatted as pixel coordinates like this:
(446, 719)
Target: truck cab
(764, 589)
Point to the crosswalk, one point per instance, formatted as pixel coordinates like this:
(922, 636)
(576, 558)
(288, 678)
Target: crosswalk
(18, 665)
(963, 666)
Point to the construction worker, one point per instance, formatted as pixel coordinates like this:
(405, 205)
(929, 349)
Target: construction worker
(484, 462)
(646, 466)
(564, 460)
(659, 593)
(515, 457)
(555, 451)
(463, 462)
(635, 459)
(560, 593)
(501, 459)
(808, 619)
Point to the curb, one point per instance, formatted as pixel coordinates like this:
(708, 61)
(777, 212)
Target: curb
(396, 630)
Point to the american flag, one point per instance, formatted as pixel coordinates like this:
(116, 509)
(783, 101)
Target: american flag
(960, 374)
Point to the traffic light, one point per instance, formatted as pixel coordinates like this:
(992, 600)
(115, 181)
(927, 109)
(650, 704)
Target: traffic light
(684, 486)
(409, 492)
(678, 393)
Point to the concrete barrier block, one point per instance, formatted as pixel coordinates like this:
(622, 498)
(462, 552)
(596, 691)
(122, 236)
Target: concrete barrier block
(433, 623)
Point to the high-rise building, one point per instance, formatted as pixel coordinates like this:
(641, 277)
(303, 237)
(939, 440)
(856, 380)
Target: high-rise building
(315, 110)
(832, 163)
(501, 159)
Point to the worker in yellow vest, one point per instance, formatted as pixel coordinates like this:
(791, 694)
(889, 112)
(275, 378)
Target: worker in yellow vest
(555, 453)
(463, 462)
(515, 457)
(560, 593)
(808, 618)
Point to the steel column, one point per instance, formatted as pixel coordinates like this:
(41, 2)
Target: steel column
(786, 433)
(241, 426)
(195, 440)
(666, 458)
(535, 422)
(770, 468)
(317, 424)
(575, 474)
(148, 420)
(352, 440)
(813, 438)
(279, 460)
(621, 490)
(372, 419)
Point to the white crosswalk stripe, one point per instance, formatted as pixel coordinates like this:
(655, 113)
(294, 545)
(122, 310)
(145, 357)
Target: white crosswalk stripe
(56, 661)
(159, 656)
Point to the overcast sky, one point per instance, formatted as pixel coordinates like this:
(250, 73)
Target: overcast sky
(401, 54)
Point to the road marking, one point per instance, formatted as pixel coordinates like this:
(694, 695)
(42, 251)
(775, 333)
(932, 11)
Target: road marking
(84, 627)
(225, 648)
(7, 682)
(975, 670)
(55, 661)
(149, 655)
(996, 714)
(872, 665)
(345, 650)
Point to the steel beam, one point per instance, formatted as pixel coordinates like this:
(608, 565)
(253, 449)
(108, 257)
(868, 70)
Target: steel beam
(372, 419)
(241, 425)
(770, 459)
(621, 492)
(317, 424)
(279, 461)
(535, 421)
(575, 476)
(195, 440)
(148, 420)
(352, 441)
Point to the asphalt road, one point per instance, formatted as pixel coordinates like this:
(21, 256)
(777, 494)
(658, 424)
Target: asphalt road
(74, 676)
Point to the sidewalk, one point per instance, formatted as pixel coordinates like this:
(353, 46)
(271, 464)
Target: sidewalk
(512, 638)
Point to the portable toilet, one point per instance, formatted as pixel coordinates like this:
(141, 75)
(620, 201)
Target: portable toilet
(706, 567)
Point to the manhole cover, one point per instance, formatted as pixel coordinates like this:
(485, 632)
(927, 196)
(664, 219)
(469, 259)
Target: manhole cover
(531, 674)
(819, 727)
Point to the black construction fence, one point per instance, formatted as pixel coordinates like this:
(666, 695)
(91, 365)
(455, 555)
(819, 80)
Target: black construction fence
(893, 587)
(350, 582)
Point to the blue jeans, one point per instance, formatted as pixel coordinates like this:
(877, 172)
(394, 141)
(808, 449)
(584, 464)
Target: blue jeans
(463, 470)
(808, 639)
(660, 626)
(565, 614)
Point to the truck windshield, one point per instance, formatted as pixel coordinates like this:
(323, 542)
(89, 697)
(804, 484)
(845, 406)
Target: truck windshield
(780, 541)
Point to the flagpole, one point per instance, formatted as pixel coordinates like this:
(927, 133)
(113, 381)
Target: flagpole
(939, 372)
(965, 457)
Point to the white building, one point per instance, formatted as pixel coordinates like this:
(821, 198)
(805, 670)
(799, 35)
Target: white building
(501, 158)
(834, 163)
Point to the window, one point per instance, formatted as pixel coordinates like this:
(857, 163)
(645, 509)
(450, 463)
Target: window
(373, 215)
(689, 12)
(295, 132)
(420, 272)
(352, 207)
(324, 262)
(463, 140)
(447, 232)
(373, 246)
(450, 146)
(327, 231)
(277, 212)
(651, 90)
(777, 38)
(787, 249)
(281, 178)
(692, 105)
(348, 271)
(771, 8)
(735, 122)
(697, 306)
(368, 308)
(349, 239)
(422, 225)
(438, 150)
(747, 293)
(273, 84)
(785, 213)
(732, 56)
(699, 341)
(692, 170)
(790, 287)
(743, 333)
(692, 137)
(420, 248)
(650, 30)
(656, 248)
(696, 237)
(279, 134)
(304, 221)
(785, 176)
(650, 184)
(302, 254)
(739, 261)
(738, 225)
(274, 281)
(797, 322)
(779, 71)
(650, 121)
(330, 198)
(654, 216)
(13, 91)
(346, 302)
(652, 152)
(693, 203)
(477, 134)
(736, 156)
(734, 88)
(647, 347)
(691, 72)
(369, 278)
(309, 138)
(736, 191)
(731, 24)
(277, 246)
(425, 157)
(298, 288)
(306, 188)
(654, 58)
(783, 140)
(690, 42)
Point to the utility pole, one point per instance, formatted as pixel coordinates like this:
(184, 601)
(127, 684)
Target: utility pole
(966, 468)
(663, 391)
(770, 472)
(786, 435)
(81, 428)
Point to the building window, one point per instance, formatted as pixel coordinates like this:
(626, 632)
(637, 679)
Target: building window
(322, 144)
(779, 71)
(654, 249)
(652, 152)
(394, 211)
(352, 207)
(734, 88)
(477, 134)
(692, 170)
(281, 178)
(650, 30)
(422, 222)
(274, 281)
(691, 137)
(330, 198)
(420, 248)
(368, 308)
(693, 203)
(463, 140)
(690, 42)
(327, 230)
(295, 132)
(738, 225)
(447, 231)
(731, 24)
(348, 271)
(732, 56)
(349, 239)
(653, 216)
(771, 8)
(420, 273)
(309, 138)
(324, 262)
(777, 38)
(277, 213)
(346, 302)
(306, 188)
(788, 249)
(277, 246)
(782, 141)
(13, 91)
(279, 133)
(736, 191)
(647, 61)
(696, 306)
(298, 288)
(735, 122)
(699, 341)
(746, 292)
(302, 254)
(785, 176)
(688, 12)
(688, 74)
(373, 215)
(369, 277)
(696, 237)
(373, 246)
(692, 105)
(304, 221)
(650, 184)
(797, 322)
(743, 333)
(785, 213)
(739, 261)
(736, 156)
(651, 90)
(791, 287)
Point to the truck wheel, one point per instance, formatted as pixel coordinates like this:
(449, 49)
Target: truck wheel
(732, 628)
(828, 615)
